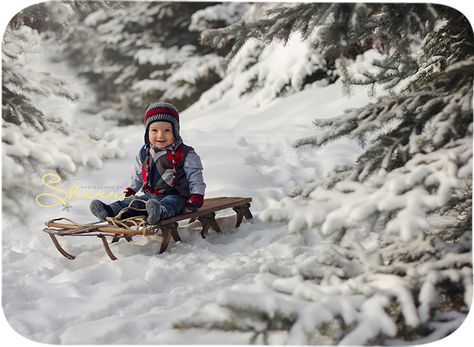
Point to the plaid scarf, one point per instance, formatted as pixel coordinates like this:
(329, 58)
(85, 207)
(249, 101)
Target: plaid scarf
(148, 162)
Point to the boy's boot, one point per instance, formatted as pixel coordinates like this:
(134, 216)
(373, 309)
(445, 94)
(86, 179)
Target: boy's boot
(153, 208)
(101, 210)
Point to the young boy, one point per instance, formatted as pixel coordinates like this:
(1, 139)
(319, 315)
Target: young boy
(167, 171)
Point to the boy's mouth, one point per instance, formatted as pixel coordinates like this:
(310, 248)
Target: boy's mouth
(160, 142)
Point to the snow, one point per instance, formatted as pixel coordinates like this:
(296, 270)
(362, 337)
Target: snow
(375, 320)
(187, 69)
(227, 13)
(275, 70)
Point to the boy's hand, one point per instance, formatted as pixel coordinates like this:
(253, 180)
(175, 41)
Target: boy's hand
(194, 202)
(128, 192)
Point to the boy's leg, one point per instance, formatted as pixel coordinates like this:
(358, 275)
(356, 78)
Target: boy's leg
(136, 204)
(164, 207)
(102, 210)
(171, 205)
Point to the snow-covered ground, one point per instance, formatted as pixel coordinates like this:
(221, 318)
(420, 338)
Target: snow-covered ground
(246, 151)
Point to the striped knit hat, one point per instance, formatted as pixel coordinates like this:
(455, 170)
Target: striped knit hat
(162, 111)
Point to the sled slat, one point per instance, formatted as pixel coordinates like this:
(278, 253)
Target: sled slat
(210, 205)
(101, 228)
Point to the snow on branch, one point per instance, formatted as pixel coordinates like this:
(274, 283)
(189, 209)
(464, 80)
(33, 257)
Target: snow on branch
(402, 197)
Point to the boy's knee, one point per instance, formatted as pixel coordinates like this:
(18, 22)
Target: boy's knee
(173, 200)
(137, 204)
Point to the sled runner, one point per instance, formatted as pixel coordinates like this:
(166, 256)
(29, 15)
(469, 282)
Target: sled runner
(126, 228)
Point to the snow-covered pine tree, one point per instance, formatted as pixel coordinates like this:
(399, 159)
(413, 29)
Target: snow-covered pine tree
(34, 143)
(389, 259)
(296, 65)
(146, 51)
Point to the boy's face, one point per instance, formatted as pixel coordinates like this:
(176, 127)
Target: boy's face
(160, 134)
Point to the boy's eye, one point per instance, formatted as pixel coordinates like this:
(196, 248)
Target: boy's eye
(164, 130)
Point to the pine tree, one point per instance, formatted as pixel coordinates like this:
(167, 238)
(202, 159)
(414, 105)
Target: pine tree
(393, 262)
(297, 65)
(338, 32)
(33, 142)
(143, 52)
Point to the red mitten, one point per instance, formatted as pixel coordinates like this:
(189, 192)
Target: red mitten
(128, 192)
(194, 202)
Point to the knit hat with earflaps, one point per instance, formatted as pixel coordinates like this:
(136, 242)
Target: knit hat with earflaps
(162, 111)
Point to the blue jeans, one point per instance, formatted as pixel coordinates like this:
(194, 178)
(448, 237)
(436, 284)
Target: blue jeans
(173, 205)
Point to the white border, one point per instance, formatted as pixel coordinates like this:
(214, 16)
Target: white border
(462, 337)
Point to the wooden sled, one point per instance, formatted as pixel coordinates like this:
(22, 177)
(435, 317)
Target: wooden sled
(127, 228)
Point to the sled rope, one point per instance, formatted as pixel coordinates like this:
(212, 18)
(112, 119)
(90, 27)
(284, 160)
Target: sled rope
(137, 222)
(132, 223)
(129, 207)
